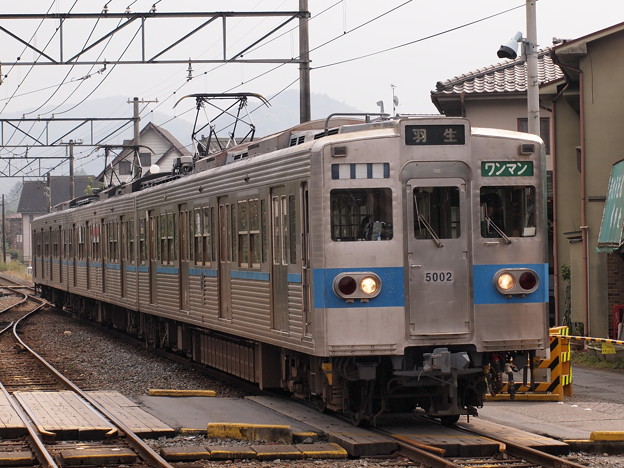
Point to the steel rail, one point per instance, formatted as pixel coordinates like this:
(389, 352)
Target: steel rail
(39, 446)
(429, 458)
(148, 454)
(528, 453)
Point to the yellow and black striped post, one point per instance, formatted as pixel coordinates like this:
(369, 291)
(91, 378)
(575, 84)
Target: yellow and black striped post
(560, 367)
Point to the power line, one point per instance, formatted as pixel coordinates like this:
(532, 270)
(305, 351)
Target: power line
(417, 40)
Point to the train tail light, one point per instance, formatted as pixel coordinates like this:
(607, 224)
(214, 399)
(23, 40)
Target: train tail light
(357, 285)
(516, 281)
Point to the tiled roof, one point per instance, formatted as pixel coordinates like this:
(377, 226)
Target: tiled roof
(507, 77)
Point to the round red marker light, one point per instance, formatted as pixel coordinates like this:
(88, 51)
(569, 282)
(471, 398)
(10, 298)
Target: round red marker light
(347, 285)
(528, 280)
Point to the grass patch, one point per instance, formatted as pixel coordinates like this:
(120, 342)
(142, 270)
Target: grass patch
(16, 269)
(585, 359)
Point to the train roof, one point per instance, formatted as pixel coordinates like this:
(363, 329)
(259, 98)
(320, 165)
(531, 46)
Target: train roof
(307, 132)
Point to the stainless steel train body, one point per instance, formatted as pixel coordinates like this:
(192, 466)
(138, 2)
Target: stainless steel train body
(371, 266)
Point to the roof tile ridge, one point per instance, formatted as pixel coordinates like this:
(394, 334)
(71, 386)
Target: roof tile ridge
(481, 72)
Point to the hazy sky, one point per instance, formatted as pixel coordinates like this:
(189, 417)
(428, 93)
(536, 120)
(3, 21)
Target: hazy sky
(431, 41)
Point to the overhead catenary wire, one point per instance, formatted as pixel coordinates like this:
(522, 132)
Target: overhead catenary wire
(161, 102)
(213, 69)
(431, 36)
(23, 51)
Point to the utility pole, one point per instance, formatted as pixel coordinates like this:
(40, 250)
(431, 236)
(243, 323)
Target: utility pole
(49, 192)
(136, 163)
(305, 113)
(137, 129)
(71, 169)
(533, 124)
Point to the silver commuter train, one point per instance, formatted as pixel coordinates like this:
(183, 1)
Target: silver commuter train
(370, 266)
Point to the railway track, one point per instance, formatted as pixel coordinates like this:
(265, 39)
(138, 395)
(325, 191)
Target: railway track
(510, 455)
(23, 370)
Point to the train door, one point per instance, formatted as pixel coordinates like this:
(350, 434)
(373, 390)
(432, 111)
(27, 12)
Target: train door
(438, 255)
(122, 245)
(183, 254)
(225, 257)
(49, 237)
(305, 252)
(75, 246)
(280, 226)
(152, 255)
(87, 249)
(61, 234)
(104, 246)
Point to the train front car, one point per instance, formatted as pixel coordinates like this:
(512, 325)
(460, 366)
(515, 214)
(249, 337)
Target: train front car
(432, 274)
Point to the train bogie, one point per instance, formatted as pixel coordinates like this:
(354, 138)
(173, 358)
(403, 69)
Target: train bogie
(374, 267)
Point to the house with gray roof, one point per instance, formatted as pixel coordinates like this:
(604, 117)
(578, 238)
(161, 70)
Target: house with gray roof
(38, 198)
(495, 96)
(157, 146)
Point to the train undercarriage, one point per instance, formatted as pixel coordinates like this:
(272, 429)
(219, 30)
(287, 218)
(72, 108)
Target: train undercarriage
(442, 383)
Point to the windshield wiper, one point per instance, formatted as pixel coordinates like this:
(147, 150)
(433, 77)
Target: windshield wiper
(432, 233)
(498, 230)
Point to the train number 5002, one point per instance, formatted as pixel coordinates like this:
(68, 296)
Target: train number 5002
(438, 277)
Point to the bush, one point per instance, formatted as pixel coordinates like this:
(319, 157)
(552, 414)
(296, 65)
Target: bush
(585, 359)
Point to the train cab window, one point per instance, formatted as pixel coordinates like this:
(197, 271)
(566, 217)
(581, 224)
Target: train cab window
(508, 211)
(436, 213)
(361, 214)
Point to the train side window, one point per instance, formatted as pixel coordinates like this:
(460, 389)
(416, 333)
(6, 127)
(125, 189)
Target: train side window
(46, 244)
(142, 242)
(81, 242)
(130, 237)
(277, 229)
(361, 214)
(243, 234)
(55, 243)
(234, 249)
(254, 233)
(249, 234)
(167, 236)
(263, 232)
(207, 237)
(94, 236)
(436, 213)
(172, 221)
(292, 229)
(508, 210)
(113, 241)
(197, 237)
(162, 236)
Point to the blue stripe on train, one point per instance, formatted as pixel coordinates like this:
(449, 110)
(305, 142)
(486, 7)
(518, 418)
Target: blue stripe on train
(486, 293)
(391, 295)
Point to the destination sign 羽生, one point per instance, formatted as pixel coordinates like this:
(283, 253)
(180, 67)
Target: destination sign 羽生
(506, 168)
(417, 135)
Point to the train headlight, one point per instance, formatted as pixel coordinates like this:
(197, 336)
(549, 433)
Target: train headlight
(357, 285)
(516, 281)
(506, 282)
(369, 285)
